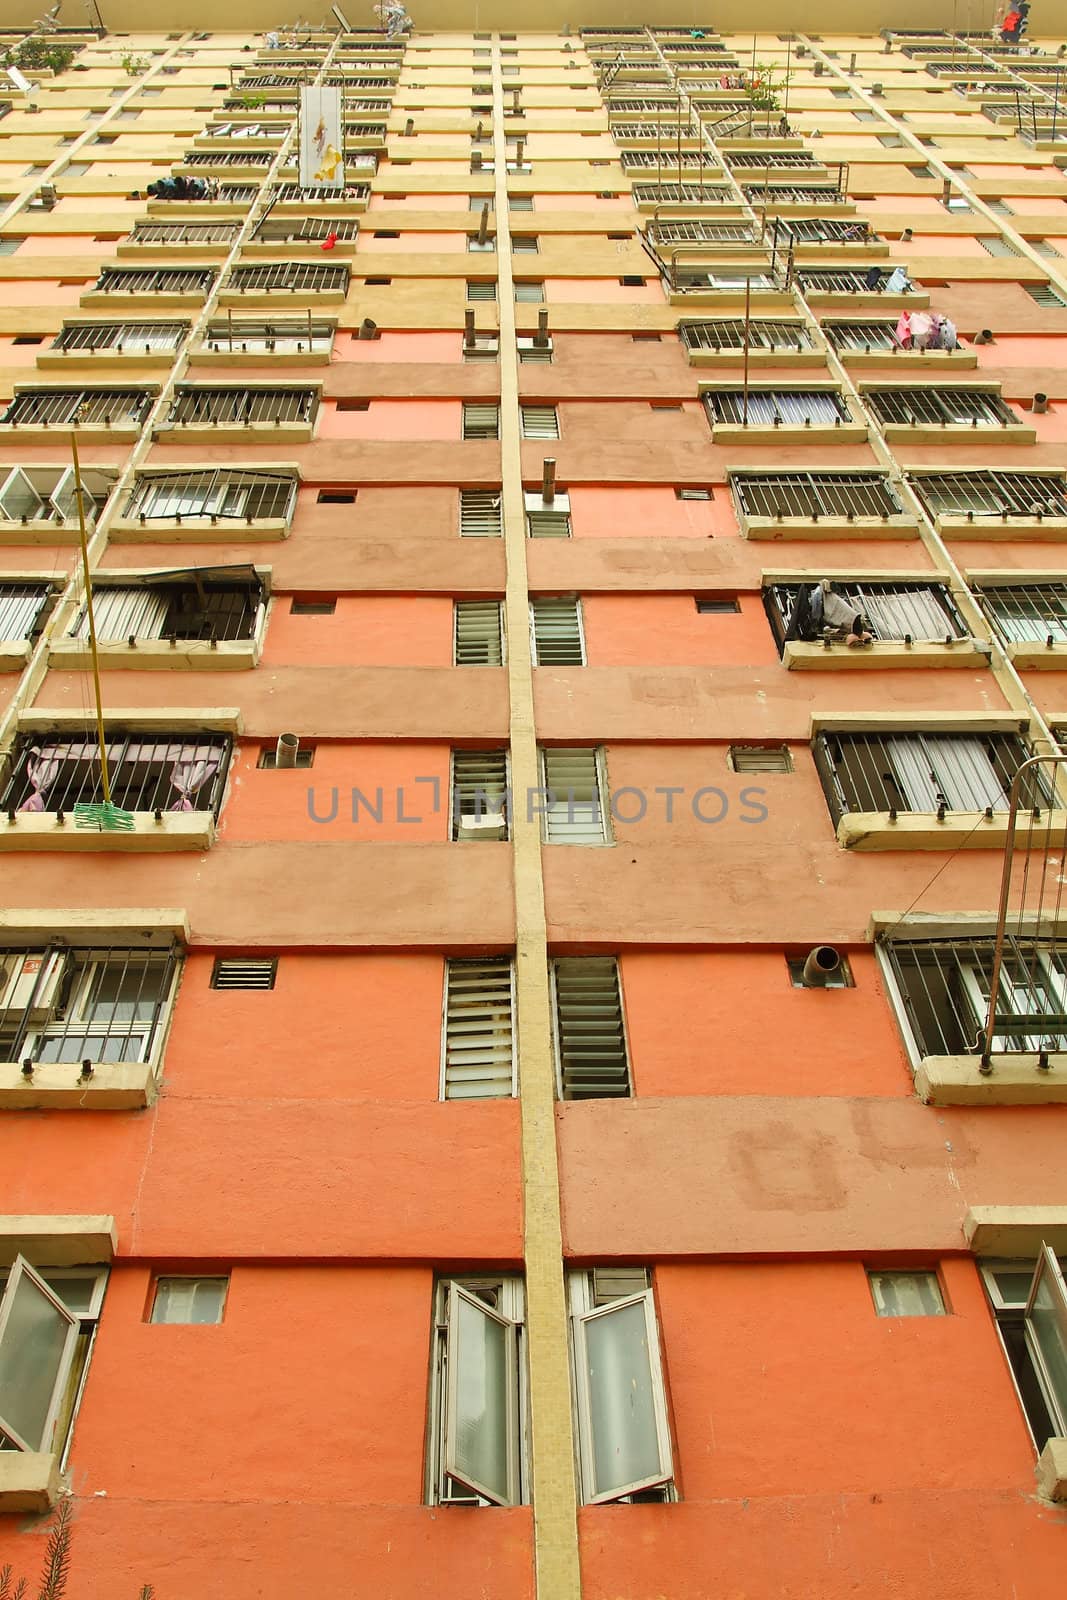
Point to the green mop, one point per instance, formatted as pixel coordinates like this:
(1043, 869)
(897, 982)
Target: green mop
(103, 815)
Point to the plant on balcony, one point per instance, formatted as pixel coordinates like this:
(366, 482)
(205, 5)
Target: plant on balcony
(38, 55)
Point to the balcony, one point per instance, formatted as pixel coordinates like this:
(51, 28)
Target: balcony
(1029, 618)
(287, 341)
(152, 286)
(38, 505)
(819, 505)
(995, 505)
(208, 239)
(290, 282)
(240, 413)
(172, 783)
(281, 235)
(194, 617)
(24, 608)
(766, 416)
(111, 413)
(910, 624)
(720, 342)
(214, 503)
(140, 345)
(856, 290)
(873, 342)
(931, 415)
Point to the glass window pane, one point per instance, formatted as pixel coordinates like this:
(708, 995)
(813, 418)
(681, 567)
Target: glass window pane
(125, 990)
(1047, 1318)
(88, 1047)
(189, 1300)
(622, 1402)
(33, 1355)
(906, 1294)
(478, 1423)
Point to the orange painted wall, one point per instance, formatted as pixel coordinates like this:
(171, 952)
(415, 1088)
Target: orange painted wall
(648, 513)
(413, 243)
(625, 630)
(393, 419)
(365, 630)
(578, 291)
(392, 346)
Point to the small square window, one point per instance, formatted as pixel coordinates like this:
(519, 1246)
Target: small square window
(906, 1294)
(28, 338)
(350, 403)
(377, 283)
(631, 282)
(312, 608)
(665, 405)
(336, 497)
(646, 338)
(692, 494)
(244, 972)
(385, 233)
(760, 758)
(189, 1300)
(719, 606)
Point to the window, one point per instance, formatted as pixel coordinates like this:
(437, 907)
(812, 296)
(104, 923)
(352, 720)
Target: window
(48, 1321)
(539, 422)
(156, 280)
(480, 514)
(189, 1300)
(906, 1294)
(336, 497)
(9, 246)
(574, 785)
(101, 1004)
(478, 633)
(760, 758)
(477, 1432)
(480, 796)
(839, 496)
(478, 1047)
(1044, 247)
(548, 519)
(996, 246)
(1029, 1304)
(943, 987)
(787, 407)
(592, 1059)
(729, 334)
(889, 611)
(244, 972)
(289, 278)
(1045, 295)
(197, 405)
(229, 495)
(529, 293)
(992, 494)
(556, 634)
(268, 758)
(158, 773)
(931, 407)
(840, 977)
(620, 1396)
(23, 607)
(124, 338)
(57, 408)
(1001, 207)
(524, 244)
(214, 604)
(724, 606)
(480, 420)
(1032, 613)
(520, 202)
(922, 772)
(480, 290)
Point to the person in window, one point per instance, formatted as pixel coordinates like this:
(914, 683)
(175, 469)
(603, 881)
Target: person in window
(821, 613)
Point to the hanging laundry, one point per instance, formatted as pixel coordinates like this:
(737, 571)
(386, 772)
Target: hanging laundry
(922, 327)
(903, 334)
(950, 339)
(898, 281)
(329, 242)
(873, 278)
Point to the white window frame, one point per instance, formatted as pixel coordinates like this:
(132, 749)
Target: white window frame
(1048, 1270)
(1047, 1262)
(78, 1005)
(97, 1276)
(579, 810)
(577, 601)
(461, 961)
(509, 1311)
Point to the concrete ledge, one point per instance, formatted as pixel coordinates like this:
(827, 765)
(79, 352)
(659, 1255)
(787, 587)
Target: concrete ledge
(704, 294)
(250, 433)
(909, 360)
(113, 1086)
(29, 1481)
(757, 358)
(1038, 657)
(73, 361)
(178, 830)
(1015, 1230)
(13, 655)
(789, 432)
(68, 1241)
(283, 297)
(149, 654)
(1016, 1080)
(193, 530)
(1020, 530)
(872, 830)
(179, 719)
(116, 301)
(37, 532)
(1052, 1471)
(957, 433)
(154, 926)
(800, 656)
(764, 528)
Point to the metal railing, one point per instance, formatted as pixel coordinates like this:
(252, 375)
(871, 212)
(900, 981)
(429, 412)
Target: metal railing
(148, 772)
(946, 986)
(227, 158)
(888, 611)
(200, 406)
(298, 230)
(840, 496)
(992, 494)
(777, 407)
(279, 336)
(922, 773)
(866, 336)
(1030, 613)
(975, 408)
(677, 193)
(156, 280)
(150, 233)
(290, 277)
(830, 280)
(729, 334)
(58, 408)
(107, 1003)
(217, 605)
(141, 338)
(219, 493)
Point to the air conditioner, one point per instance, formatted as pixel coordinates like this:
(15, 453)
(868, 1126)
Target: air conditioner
(490, 825)
(19, 974)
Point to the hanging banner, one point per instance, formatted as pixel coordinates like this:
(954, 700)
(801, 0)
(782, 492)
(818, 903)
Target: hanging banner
(322, 163)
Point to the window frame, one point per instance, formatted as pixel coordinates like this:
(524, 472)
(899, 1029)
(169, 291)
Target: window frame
(68, 1393)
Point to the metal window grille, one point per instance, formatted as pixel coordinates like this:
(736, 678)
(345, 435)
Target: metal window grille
(529, 293)
(290, 193)
(155, 233)
(480, 515)
(244, 972)
(817, 280)
(227, 158)
(940, 407)
(56, 408)
(772, 194)
(729, 334)
(925, 773)
(479, 1032)
(574, 797)
(590, 1034)
(667, 233)
(479, 794)
(779, 407)
(196, 405)
(945, 985)
(843, 495)
(1032, 613)
(480, 290)
(156, 280)
(21, 609)
(556, 633)
(216, 604)
(237, 194)
(771, 158)
(675, 193)
(139, 338)
(250, 496)
(297, 230)
(761, 758)
(865, 336)
(817, 230)
(480, 421)
(280, 336)
(105, 1004)
(672, 159)
(161, 773)
(889, 610)
(295, 277)
(540, 422)
(478, 634)
(993, 494)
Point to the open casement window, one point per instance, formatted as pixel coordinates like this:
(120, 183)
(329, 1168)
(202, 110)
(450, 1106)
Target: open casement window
(478, 1394)
(624, 1442)
(47, 494)
(591, 1051)
(102, 1005)
(478, 1055)
(1029, 1302)
(47, 1326)
(574, 785)
(1046, 1332)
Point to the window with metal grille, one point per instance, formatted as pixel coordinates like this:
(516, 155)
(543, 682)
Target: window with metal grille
(992, 494)
(836, 280)
(480, 420)
(927, 773)
(297, 230)
(480, 290)
(548, 519)
(777, 407)
(23, 608)
(529, 293)
(760, 758)
(979, 408)
(887, 611)
(866, 336)
(841, 495)
(227, 158)
(104, 1003)
(292, 193)
(121, 338)
(539, 422)
(198, 405)
(480, 514)
(556, 634)
(729, 334)
(156, 280)
(1030, 613)
(478, 1046)
(672, 193)
(574, 790)
(244, 496)
(279, 336)
(478, 633)
(211, 603)
(157, 233)
(296, 277)
(148, 772)
(591, 1053)
(1045, 295)
(244, 972)
(476, 1438)
(59, 408)
(943, 986)
(480, 797)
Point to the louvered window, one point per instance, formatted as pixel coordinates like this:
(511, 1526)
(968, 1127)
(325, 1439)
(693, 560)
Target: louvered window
(992, 494)
(996, 246)
(524, 244)
(480, 290)
(106, 1004)
(22, 608)
(121, 338)
(62, 408)
(244, 972)
(479, 1033)
(1045, 295)
(540, 422)
(480, 514)
(530, 294)
(197, 405)
(591, 1053)
(294, 278)
(548, 519)
(520, 202)
(478, 634)
(575, 796)
(479, 794)
(243, 496)
(888, 611)
(924, 773)
(940, 407)
(280, 336)
(777, 407)
(556, 633)
(1031, 613)
(837, 495)
(156, 280)
(760, 758)
(480, 421)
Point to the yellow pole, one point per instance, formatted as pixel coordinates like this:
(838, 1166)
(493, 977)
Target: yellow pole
(92, 621)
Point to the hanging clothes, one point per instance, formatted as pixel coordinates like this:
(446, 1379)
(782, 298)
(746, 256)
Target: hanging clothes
(950, 339)
(873, 278)
(903, 332)
(897, 282)
(922, 327)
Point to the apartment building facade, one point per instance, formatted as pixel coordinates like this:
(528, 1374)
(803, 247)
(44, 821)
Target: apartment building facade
(512, 1110)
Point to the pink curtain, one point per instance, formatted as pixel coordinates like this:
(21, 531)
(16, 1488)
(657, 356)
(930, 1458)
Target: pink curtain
(42, 769)
(193, 766)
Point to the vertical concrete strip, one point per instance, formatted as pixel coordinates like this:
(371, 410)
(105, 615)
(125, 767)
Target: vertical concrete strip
(552, 1471)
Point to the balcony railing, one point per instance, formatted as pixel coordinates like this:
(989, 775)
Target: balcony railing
(992, 494)
(730, 334)
(928, 407)
(293, 277)
(887, 611)
(840, 496)
(156, 280)
(166, 233)
(921, 772)
(945, 988)
(120, 338)
(214, 604)
(62, 408)
(280, 336)
(201, 406)
(1030, 613)
(760, 408)
(219, 494)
